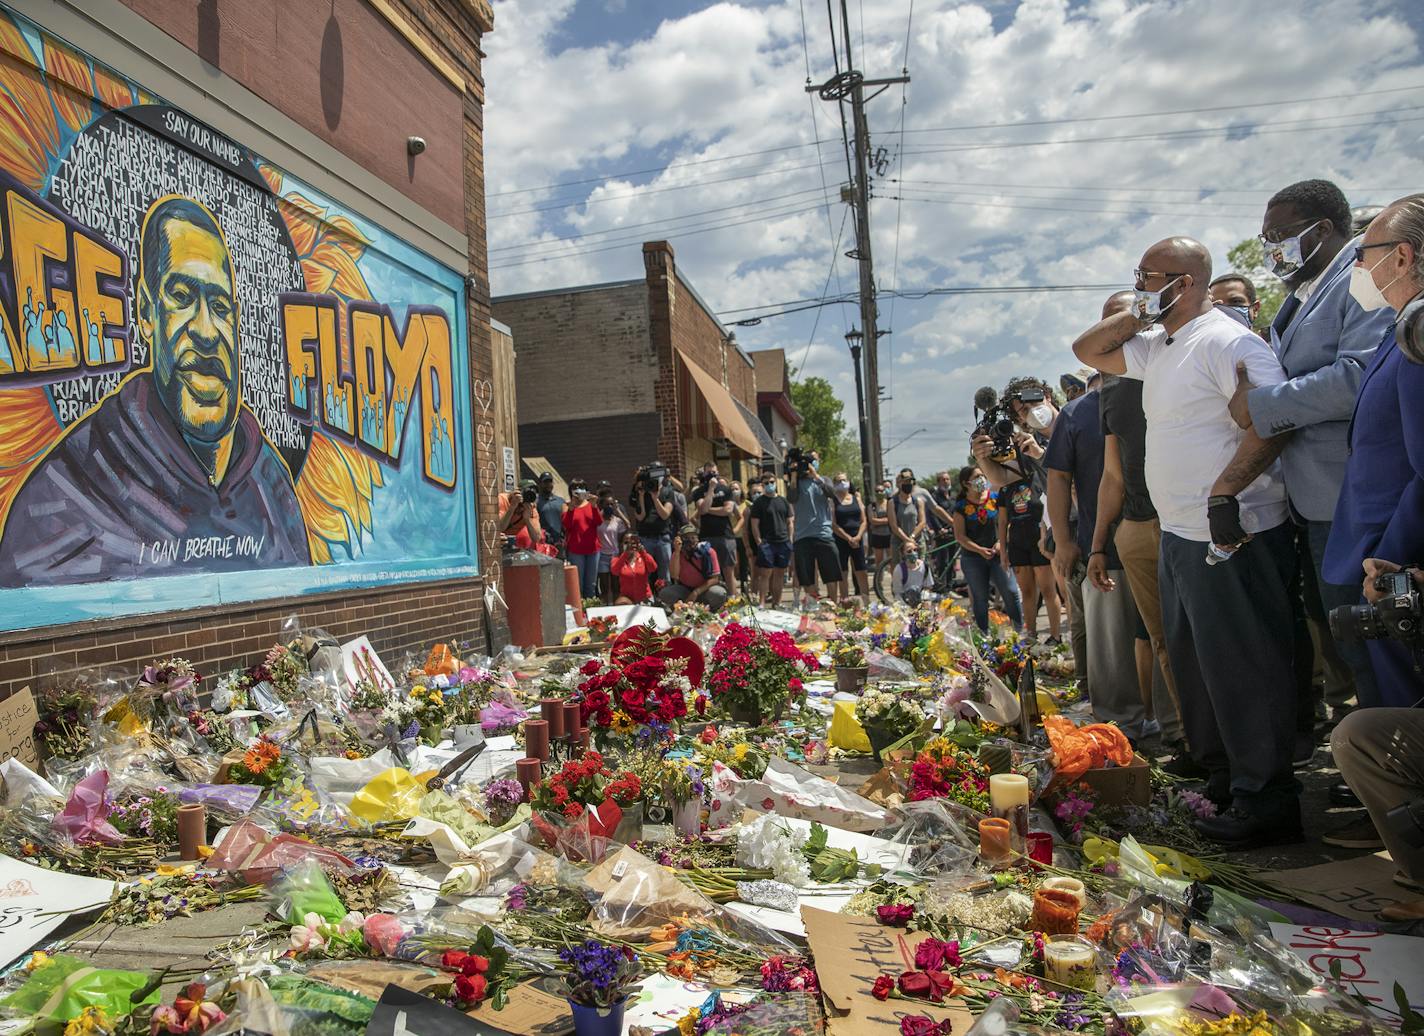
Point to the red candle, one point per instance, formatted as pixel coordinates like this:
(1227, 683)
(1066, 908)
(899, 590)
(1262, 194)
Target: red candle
(581, 740)
(1039, 845)
(536, 738)
(529, 772)
(553, 710)
(573, 718)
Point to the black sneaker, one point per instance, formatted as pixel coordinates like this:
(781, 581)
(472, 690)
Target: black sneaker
(1237, 829)
(1304, 750)
(1343, 796)
(1359, 833)
(1184, 766)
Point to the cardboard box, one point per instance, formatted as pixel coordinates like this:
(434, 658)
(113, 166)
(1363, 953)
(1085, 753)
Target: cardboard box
(1121, 785)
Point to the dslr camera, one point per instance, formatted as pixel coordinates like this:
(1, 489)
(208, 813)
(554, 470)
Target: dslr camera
(797, 461)
(1397, 615)
(996, 420)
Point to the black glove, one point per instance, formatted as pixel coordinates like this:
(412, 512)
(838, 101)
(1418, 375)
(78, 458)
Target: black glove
(1223, 515)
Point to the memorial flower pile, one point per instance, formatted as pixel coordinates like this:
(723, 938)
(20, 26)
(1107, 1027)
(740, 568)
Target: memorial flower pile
(754, 673)
(584, 782)
(943, 770)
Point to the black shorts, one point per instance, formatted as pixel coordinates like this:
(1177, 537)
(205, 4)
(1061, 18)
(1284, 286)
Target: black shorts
(879, 540)
(850, 557)
(725, 547)
(811, 555)
(1026, 555)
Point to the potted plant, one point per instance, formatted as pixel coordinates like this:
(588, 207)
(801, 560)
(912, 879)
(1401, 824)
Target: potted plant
(851, 669)
(753, 673)
(586, 789)
(887, 716)
(597, 980)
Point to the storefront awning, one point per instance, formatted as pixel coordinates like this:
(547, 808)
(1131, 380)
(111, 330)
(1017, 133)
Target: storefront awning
(709, 410)
(768, 444)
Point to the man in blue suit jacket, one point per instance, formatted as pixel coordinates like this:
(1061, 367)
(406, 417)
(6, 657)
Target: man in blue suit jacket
(1324, 340)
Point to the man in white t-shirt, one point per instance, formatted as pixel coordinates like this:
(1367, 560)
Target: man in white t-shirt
(1215, 485)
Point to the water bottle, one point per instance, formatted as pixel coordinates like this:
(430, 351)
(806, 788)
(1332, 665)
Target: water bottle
(1216, 555)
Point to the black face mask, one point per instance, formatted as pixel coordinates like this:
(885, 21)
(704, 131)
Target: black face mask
(608, 510)
(905, 487)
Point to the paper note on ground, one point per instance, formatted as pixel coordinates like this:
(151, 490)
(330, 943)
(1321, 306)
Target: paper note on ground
(1370, 962)
(34, 902)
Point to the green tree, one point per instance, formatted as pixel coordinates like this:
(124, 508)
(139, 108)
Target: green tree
(1248, 259)
(825, 428)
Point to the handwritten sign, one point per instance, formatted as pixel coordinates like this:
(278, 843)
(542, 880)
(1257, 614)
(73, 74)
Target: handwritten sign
(1369, 962)
(18, 716)
(361, 664)
(34, 902)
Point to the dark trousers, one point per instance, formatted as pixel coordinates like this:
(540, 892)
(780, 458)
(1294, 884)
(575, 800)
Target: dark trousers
(1302, 596)
(979, 572)
(1392, 663)
(1333, 595)
(1229, 636)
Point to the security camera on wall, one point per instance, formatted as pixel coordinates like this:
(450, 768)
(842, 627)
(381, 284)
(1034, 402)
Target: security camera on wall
(415, 145)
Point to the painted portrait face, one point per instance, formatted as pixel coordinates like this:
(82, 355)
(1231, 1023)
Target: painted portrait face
(189, 318)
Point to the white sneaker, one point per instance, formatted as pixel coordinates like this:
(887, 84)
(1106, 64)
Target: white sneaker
(1150, 728)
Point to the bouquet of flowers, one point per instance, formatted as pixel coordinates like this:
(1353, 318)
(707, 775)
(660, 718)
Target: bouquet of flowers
(582, 783)
(481, 973)
(282, 668)
(147, 816)
(639, 691)
(847, 654)
(503, 796)
(430, 710)
(943, 770)
(596, 975)
(370, 698)
(753, 673)
(63, 730)
(262, 764)
(600, 629)
(891, 713)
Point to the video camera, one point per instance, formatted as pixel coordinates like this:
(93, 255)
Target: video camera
(797, 461)
(996, 420)
(652, 475)
(1397, 615)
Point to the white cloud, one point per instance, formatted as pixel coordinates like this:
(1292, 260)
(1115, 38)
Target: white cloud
(728, 79)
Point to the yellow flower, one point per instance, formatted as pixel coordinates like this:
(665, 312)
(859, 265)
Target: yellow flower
(622, 723)
(37, 960)
(418, 691)
(89, 1022)
(168, 870)
(437, 699)
(740, 752)
(687, 1024)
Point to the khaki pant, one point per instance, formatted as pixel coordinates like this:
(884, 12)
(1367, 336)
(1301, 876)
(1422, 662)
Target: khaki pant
(1138, 544)
(1380, 753)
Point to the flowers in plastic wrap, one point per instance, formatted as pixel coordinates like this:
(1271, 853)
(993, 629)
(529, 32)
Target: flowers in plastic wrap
(640, 691)
(889, 713)
(502, 796)
(263, 764)
(190, 1012)
(768, 843)
(480, 973)
(943, 770)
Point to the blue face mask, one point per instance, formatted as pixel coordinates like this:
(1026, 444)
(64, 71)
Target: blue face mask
(815, 465)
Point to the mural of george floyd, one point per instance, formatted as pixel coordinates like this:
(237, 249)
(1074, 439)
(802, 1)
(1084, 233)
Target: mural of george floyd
(218, 385)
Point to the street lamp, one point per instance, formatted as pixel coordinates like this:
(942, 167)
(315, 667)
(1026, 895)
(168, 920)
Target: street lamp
(855, 339)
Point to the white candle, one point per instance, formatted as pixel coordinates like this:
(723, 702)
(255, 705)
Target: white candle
(1070, 962)
(1007, 790)
(1072, 886)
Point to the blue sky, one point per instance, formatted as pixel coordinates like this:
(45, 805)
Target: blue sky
(689, 121)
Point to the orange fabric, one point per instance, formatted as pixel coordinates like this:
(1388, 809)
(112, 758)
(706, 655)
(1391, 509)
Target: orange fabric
(1080, 749)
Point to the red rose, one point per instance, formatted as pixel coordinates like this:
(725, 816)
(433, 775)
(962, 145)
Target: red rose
(470, 989)
(920, 1025)
(884, 986)
(915, 983)
(452, 960)
(474, 965)
(709, 732)
(896, 915)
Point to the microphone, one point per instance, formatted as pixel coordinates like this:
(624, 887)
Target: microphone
(985, 398)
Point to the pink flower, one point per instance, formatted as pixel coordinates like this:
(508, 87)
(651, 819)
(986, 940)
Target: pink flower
(166, 1019)
(383, 933)
(896, 915)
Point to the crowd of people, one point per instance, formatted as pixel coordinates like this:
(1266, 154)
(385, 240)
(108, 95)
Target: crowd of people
(1221, 514)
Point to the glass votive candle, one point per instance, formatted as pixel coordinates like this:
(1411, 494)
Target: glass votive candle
(1055, 912)
(1071, 961)
(1038, 847)
(995, 842)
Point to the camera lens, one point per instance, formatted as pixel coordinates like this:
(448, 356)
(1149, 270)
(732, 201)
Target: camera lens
(1356, 622)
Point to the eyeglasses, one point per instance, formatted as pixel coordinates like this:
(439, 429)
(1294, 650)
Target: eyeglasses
(1361, 249)
(1147, 275)
(1278, 234)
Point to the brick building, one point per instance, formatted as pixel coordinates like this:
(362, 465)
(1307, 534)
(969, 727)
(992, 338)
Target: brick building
(346, 138)
(615, 376)
(775, 410)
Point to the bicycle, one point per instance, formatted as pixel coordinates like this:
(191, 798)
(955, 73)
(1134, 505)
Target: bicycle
(882, 578)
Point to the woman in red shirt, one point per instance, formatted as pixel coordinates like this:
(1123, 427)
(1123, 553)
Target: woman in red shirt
(581, 521)
(633, 568)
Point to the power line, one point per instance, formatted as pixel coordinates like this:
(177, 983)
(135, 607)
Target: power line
(576, 253)
(831, 235)
(806, 305)
(657, 222)
(1122, 188)
(1158, 114)
(816, 324)
(941, 200)
(1181, 207)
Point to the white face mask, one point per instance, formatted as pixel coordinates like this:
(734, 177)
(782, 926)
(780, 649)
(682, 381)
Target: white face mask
(841, 487)
(1283, 257)
(1147, 305)
(1040, 417)
(1364, 290)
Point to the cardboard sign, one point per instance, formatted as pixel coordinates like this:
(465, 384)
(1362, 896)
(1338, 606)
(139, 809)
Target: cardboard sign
(1370, 962)
(857, 951)
(1358, 888)
(401, 1012)
(34, 902)
(18, 716)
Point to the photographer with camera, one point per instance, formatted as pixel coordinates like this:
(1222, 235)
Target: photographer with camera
(519, 517)
(581, 521)
(813, 546)
(976, 528)
(696, 577)
(712, 501)
(1380, 753)
(651, 501)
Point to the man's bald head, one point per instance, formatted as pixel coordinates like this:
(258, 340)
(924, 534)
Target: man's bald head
(1180, 255)
(1118, 302)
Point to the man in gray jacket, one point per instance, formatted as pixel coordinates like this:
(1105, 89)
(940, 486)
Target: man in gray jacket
(1324, 340)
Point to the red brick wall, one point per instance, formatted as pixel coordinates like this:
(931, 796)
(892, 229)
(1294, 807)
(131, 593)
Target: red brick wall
(396, 619)
(364, 96)
(401, 618)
